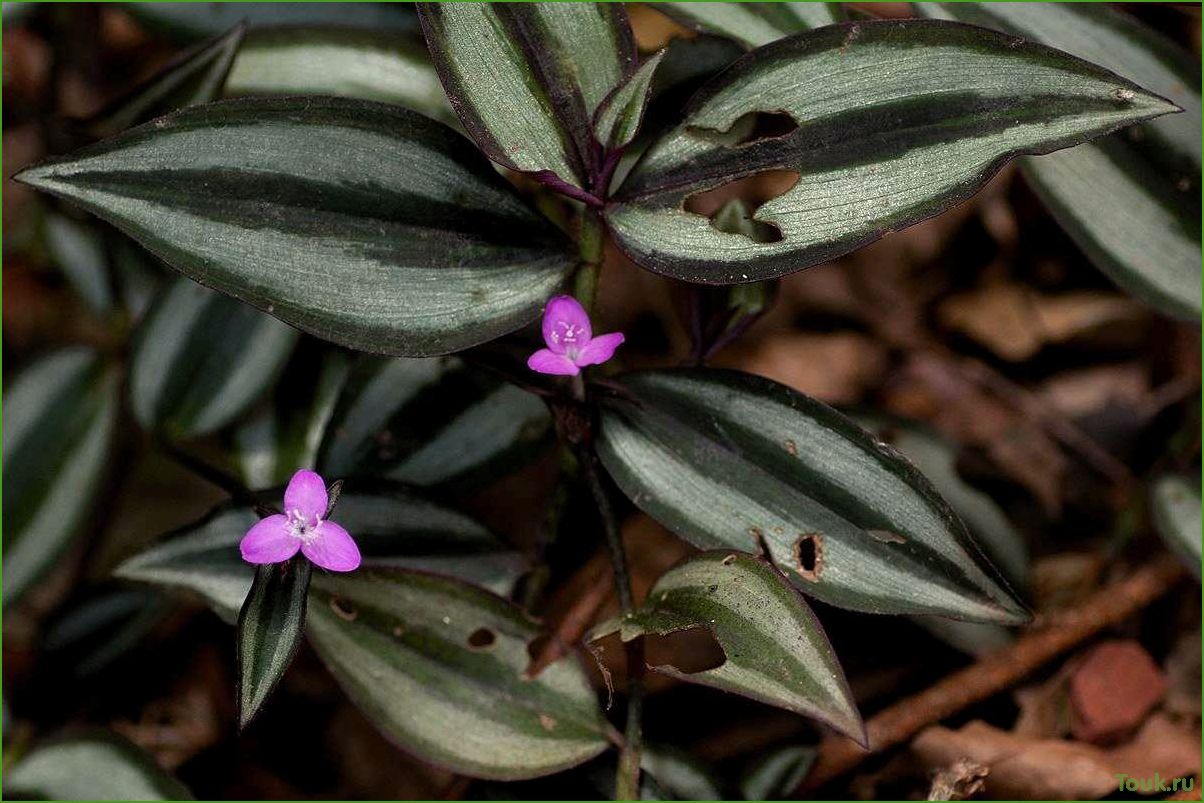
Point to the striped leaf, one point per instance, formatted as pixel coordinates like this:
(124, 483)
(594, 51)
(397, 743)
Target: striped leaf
(618, 118)
(78, 249)
(775, 649)
(432, 422)
(201, 359)
(392, 525)
(752, 24)
(194, 76)
(269, 631)
(728, 460)
(1176, 505)
(60, 419)
(361, 223)
(93, 765)
(207, 19)
(438, 666)
(526, 78)
(286, 432)
(1131, 201)
(373, 65)
(776, 774)
(897, 121)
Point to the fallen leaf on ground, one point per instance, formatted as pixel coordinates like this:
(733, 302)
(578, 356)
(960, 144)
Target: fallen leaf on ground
(1112, 689)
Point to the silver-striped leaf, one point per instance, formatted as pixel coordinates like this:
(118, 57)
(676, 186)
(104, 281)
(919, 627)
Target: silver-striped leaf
(526, 78)
(78, 249)
(775, 650)
(270, 625)
(618, 118)
(362, 223)
(438, 665)
(60, 421)
(194, 76)
(393, 526)
(431, 422)
(1176, 505)
(286, 432)
(897, 121)
(92, 765)
(209, 19)
(728, 460)
(1131, 201)
(373, 65)
(201, 359)
(752, 24)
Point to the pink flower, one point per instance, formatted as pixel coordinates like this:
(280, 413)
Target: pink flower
(302, 528)
(571, 344)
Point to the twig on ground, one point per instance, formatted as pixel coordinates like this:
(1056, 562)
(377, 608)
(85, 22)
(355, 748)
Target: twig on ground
(996, 672)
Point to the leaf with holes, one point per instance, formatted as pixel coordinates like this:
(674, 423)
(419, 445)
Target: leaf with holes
(94, 765)
(527, 78)
(775, 649)
(194, 76)
(753, 24)
(201, 359)
(324, 212)
(433, 422)
(393, 526)
(373, 65)
(60, 418)
(439, 665)
(1131, 201)
(729, 460)
(286, 432)
(618, 118)
(1176, 505)
(873, 125)
(269, 631)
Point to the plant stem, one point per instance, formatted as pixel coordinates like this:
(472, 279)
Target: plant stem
(585, 287)
(627, 778)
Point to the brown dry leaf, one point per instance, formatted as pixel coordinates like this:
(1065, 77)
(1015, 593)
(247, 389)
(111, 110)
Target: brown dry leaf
(1080, 393)
(652, 29)
(1015, 322)
(1113, 688)
(835, 368)
(932, 389)
(961, 780)
(1054, 769)
(1044, 709)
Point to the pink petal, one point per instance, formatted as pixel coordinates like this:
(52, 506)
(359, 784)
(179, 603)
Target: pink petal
(306, 494)
(271, 540)
(565, 324)
(600, 349)
(333, 549)
(546, 361)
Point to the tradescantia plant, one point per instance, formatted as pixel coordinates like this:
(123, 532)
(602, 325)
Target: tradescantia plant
(381, 229)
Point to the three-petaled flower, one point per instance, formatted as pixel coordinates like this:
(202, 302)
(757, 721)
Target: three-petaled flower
(570, 339)
(302, 527)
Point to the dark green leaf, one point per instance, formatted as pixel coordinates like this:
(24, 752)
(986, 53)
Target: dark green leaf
(269, 631)
(194, 76)
(201, 359)
(775, 648)
(439, 665)
(776, 775)
(1132, 201)
(727, 459)
(752, 24)
(90, 633)
(95, 766)
(368, 64)
(618, 118)
(361, 223)
(898, 120)
(286, 433)
(60, 419)
(430, 422)
(1176, 505)
(208, 19)
(78, 249)
(526, 78)
(392, 525)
